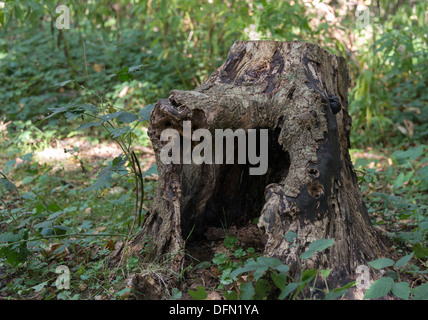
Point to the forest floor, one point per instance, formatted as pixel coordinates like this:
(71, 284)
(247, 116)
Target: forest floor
(73, 161)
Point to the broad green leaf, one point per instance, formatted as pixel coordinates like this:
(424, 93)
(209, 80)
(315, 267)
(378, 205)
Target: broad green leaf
(74, 111)
(420, 251)
(70, 115)
(55, 111)
(8, 185)
(145, 112)
(231, 295)
(290, 236)
(126, 77)
(43, 224)
(339, 292)
(88, 107)
(317, 245)
(40, 286)
(118, 132)
(225, 276)
(335, 293)
(259, 267)
(410, 154)
(247, 291)
(424, 225)
(283, 268)
(54, 207)
(401, 290)
(117, 163)
(102, 181)
(29, 195)
(138, 67)
(123, 70)
(123, 292)
(105, 176)
(392, 274)
(202, 265)
(230, 241)
(259, 272)
(404, 260)
(60, 230)
(87, 125)
(423, 172)
(269, 262)
(289, 288)
(15, 255)
(219, 258)
(379, 288)
(308, 275)
(399, 180)
(110, 116)
(27, 180)
(117, 160)
(176, 294)
(86, 224)
(381, 263)
(23, 223)
(55, 215)
(9, 237)
(321, 244)
(48, 231)
(262, 288)
(239, 253)
(325, 273)
(250, 265)
(307, 254)
(152, 170)
(127, 117)
(421, 292)
(198, 294)
(279, 279)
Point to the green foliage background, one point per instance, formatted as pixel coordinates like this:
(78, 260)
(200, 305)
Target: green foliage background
(182, 42)
(176, 44)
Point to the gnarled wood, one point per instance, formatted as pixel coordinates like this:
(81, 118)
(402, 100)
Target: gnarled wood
(298, 92)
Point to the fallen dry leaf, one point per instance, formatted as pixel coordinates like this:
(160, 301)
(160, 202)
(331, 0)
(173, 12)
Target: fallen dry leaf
(99, 229)
(213, 296)
(52, 253)
(110, 245)
(82, 287)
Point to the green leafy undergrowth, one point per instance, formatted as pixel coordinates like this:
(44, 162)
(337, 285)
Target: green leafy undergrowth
(252, 277)
(392, 282)
(395, 186)
(49, 218)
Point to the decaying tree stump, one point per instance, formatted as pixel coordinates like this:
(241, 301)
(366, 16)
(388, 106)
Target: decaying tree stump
(298, 92)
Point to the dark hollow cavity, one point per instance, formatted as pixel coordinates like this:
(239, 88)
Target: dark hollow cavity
(237, 196)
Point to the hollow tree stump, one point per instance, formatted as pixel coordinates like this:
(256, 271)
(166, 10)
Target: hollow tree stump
(298, 92)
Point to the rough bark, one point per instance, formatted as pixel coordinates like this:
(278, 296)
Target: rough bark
(298, 92)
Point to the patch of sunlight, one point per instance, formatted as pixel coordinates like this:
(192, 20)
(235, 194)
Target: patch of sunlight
(69, 152)
(49, 155)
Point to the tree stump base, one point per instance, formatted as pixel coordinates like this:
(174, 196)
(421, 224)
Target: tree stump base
(298, 92)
